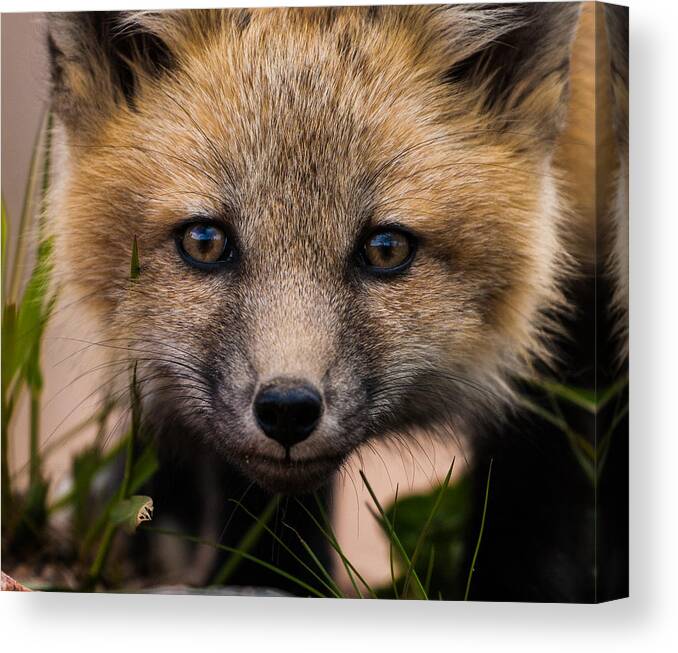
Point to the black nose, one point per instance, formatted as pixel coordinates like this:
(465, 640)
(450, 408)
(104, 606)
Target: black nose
(287, 411)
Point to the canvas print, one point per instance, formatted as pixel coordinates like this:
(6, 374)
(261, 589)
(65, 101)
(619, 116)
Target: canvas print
(317, 302)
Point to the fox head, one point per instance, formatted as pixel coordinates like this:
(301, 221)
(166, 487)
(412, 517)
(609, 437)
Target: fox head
(347, 220)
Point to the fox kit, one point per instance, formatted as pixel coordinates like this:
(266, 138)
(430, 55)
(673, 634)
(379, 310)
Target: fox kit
(348, 220)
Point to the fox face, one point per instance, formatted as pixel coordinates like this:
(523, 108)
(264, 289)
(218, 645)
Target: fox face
(347, 221)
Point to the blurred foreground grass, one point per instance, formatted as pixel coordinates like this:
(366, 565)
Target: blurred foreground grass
(428, 534)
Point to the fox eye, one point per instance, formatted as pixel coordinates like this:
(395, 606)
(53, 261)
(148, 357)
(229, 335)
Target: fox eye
(204, 245)
(387, 251)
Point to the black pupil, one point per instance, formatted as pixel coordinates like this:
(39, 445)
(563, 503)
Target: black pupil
(388, 246)
(205, 237)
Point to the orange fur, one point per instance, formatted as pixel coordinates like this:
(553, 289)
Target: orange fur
(297, 128)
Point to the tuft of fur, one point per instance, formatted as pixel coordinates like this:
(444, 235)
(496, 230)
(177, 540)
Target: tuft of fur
(300, 130)
(617, 24)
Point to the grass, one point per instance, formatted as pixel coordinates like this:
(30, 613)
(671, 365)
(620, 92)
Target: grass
(407, 585)
(480, 534)
(24, 319)
(28, 513)
(26, 312)
(591, 455)
(427, 533)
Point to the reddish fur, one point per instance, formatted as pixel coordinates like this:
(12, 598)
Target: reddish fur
(285, 128)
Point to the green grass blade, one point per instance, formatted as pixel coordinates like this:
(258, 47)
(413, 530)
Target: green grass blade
(391, 564)
(27, 215)
(35, 308)
(544, 414)
(611, 392)
(144, 467)
(247, 556)
(3, 255)
(427, 525)
(246, 543)
(7, 491)
(336, 589)
(393, 535)
(331, 537)
(585, 399)
(35, 469)
(480, 534)
(100, 523)
(134, 434)
(135, 267)
(281, 542)
(429, 569)
(97, 566)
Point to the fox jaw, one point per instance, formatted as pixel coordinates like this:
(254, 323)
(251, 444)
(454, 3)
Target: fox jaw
(347, 220)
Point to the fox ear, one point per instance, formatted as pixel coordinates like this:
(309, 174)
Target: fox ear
(522, 74)
(97, 61)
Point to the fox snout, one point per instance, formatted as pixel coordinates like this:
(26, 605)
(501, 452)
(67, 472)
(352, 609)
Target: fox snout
(287, 411)
(355, 235)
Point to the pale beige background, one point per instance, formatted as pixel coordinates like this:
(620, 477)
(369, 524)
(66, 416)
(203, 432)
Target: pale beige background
(24, 98)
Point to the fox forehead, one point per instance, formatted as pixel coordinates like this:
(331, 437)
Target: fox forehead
(304, 121)
(300, 128)
(279, 99)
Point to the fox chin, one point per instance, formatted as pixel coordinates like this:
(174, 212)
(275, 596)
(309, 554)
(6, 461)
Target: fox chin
(354, 231)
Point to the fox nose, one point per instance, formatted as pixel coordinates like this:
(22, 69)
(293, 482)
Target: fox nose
(287, 411)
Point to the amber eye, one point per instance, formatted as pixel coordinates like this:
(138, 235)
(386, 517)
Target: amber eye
(388, 251)
(204, 245)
